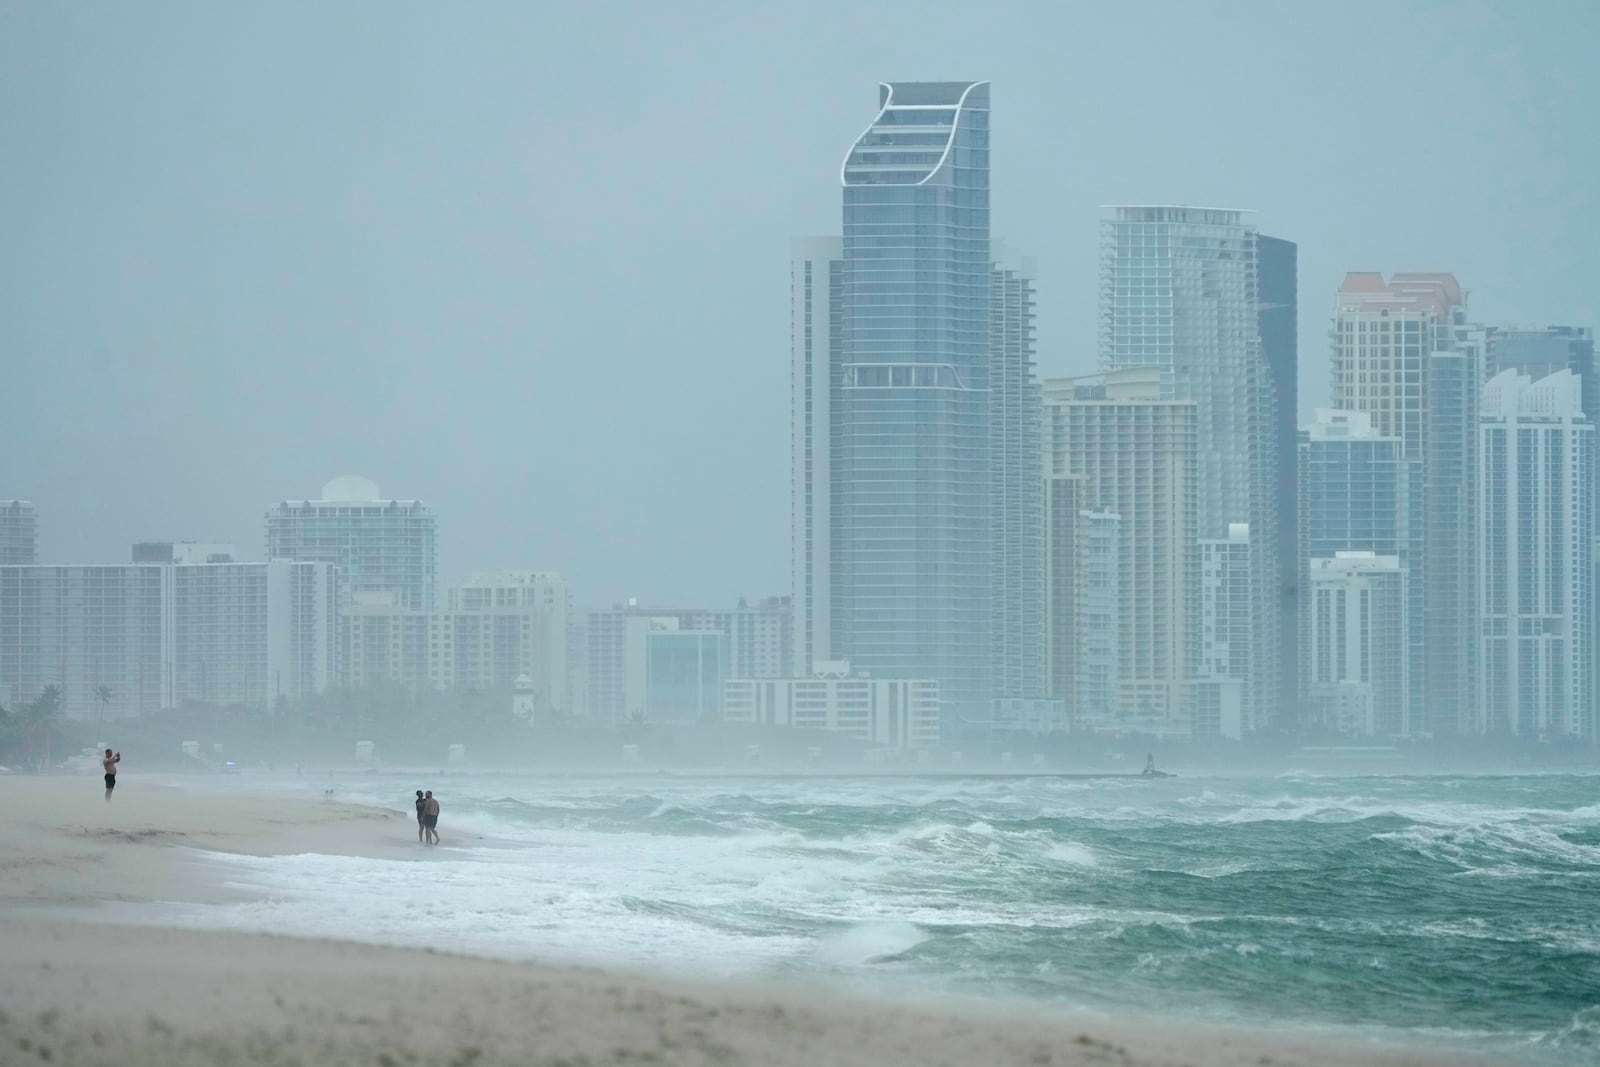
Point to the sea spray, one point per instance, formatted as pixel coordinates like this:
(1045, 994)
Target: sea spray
(1458, 910)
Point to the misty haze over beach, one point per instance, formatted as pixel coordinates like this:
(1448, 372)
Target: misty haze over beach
(1123, 588)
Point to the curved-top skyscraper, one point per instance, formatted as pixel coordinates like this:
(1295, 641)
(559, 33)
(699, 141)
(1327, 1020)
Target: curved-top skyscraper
(911, 459)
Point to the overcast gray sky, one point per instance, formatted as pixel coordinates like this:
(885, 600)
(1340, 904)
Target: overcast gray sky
(528, 262)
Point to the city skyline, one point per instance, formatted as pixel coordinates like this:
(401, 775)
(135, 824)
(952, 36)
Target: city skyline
(387, 290)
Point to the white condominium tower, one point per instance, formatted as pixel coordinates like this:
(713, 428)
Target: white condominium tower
(379, 546)
(1534, 536)
(130, 638)
(1180, 293)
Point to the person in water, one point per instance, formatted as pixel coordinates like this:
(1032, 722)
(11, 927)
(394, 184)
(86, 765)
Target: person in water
(421, 818)
(110, 765)
(430, 817)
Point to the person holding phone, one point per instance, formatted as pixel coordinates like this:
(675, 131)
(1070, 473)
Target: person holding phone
(110, 764)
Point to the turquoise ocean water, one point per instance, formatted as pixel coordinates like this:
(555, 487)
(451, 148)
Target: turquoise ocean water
(1455, 911)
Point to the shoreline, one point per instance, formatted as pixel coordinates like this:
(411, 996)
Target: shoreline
(94, 991)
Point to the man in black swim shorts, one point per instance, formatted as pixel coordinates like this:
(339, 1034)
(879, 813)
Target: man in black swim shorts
(110, 765)
(430, 817)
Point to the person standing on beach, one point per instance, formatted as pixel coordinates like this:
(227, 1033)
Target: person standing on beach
(422, 817)
(430, 817)
(110, 765)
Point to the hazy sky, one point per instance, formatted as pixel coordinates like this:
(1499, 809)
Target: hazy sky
(528, 262)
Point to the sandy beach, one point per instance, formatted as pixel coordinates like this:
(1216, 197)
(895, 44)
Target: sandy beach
(78, 989)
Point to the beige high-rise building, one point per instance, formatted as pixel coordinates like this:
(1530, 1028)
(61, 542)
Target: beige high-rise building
(493, 629)
(1134, 456)
(1383, 334)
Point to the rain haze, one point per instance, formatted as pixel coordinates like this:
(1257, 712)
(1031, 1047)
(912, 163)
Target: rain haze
(885, 533)
(527, 263)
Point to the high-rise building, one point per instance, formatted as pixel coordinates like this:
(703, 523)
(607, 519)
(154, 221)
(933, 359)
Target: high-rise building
(916, 496)
(1097, 614)
(1181, 293)
(1222, 632)
(912, 464)
(1404, 353)
(379, 546)
(1016, 487)
(1278, 319)
(1383, 334)
(1359, 493)
(547, 598)
(1063, 509)
(1356, 663)
(130, 638)
(1131, 452)
(816, 266)
(492, 630)
(19, 533)
(1535, 533)
(1451, 559)
(1539, 351)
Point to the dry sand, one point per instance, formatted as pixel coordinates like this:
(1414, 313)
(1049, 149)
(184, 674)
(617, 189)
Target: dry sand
(77, 991)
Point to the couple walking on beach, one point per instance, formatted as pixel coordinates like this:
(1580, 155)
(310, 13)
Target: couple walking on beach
(427, 818)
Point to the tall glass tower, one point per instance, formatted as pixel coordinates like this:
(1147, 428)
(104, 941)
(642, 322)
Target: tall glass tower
(912, 457)
(1180, 292)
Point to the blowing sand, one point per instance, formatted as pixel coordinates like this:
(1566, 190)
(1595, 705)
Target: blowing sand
(77, 991)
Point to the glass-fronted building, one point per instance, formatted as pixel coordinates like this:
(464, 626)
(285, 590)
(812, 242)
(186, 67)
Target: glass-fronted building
(1278, 319)
(911, 463)
(684, 672)
(1359, 493)
(1017, 488)
(1180, 292)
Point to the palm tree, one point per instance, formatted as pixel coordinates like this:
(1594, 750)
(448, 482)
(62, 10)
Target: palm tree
(102, 693)
(39, 718)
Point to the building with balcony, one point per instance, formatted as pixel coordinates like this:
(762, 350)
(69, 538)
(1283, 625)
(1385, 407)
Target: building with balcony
(1535, 534)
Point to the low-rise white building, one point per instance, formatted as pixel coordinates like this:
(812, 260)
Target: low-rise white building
(898, 712)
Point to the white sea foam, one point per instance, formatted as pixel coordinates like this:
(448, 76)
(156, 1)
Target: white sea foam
(1030, 884)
